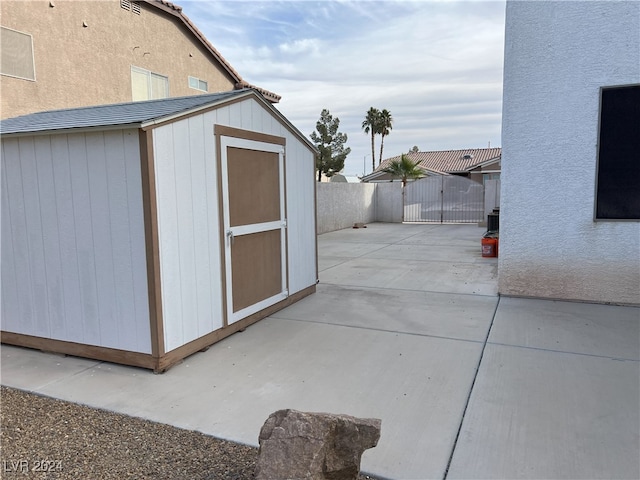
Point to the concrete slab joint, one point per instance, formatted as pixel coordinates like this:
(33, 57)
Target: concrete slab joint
(314, 446)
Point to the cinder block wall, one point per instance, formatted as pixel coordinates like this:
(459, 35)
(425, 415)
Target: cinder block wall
(389, 202)
(340, 205)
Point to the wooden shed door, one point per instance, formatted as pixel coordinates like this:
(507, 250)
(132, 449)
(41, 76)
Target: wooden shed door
(254, 225)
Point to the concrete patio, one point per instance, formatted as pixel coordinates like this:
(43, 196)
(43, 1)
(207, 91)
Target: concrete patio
(406, 326)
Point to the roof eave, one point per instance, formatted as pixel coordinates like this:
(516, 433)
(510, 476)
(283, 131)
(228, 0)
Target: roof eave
(489, 161)
(71, 130)
(239, 83)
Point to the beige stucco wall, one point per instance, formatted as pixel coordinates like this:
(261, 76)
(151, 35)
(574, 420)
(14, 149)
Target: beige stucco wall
(77, 65)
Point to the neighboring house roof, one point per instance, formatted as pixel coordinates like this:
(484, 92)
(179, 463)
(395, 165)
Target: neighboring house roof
(131, 114)
(445, 161)
(176, 11)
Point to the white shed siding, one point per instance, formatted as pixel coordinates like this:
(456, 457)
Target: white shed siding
(557, 56)
(73, 253)
(189, 223)
(188, 230)
(301, 234)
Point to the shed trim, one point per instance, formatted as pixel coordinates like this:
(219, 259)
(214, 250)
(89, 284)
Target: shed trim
(72, 130)
(106, 354)
(226, 131)
(273, 144)
(204, 342)
(152, 247)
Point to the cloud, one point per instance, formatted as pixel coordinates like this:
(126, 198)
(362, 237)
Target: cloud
(436, 65)
(310, 46)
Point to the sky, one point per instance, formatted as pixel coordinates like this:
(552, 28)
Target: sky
(435, 65)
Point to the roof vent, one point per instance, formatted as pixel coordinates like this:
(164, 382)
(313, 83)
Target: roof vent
(130, 6)
(467, 156)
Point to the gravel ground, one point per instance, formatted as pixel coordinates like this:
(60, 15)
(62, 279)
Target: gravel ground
(45, 438)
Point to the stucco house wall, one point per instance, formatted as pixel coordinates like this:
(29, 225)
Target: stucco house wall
(84, 50)
(557, 57)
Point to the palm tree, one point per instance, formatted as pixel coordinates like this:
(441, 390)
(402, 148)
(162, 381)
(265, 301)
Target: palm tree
(371, 125)
(385, 124)
(404, 169)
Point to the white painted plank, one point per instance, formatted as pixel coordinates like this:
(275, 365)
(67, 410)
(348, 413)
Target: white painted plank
(186, 253)
(138, 249)
(51, 239)
(235, 115)
(215, 249)
(168, 235)
(84, 239)
(198, 136)
(74, 317)
(35, 247)
(223, 116)
(101, 226)
(124, 318)
(246, 120)
(11, 314)
(301, 211)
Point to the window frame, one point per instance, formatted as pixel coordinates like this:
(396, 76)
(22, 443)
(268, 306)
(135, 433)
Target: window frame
(597, 218)
(33, 57)
(149, 75)
(199, 81)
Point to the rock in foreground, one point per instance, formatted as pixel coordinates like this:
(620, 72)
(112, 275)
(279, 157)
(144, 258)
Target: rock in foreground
(314, 446)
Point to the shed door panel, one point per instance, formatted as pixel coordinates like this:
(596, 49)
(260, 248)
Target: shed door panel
(254, 186)
(254, 225)
(256, 261)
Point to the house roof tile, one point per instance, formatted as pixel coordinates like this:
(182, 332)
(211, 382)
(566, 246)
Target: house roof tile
(240, 83)
(449, 161)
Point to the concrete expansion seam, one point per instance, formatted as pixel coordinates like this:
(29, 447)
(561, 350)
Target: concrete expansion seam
(473, 383)
(567, 352)
(38, 389)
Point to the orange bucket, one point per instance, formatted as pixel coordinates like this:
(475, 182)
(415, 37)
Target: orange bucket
(489, 247)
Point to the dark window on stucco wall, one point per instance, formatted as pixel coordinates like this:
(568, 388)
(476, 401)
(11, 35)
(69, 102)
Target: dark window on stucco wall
(618, 177)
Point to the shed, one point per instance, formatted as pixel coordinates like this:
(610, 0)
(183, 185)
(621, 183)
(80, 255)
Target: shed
(140, 233)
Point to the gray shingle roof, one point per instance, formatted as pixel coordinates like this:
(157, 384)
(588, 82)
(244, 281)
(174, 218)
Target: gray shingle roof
(132, 113)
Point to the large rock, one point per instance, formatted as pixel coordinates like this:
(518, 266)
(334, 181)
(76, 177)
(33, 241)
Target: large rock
(314, 446)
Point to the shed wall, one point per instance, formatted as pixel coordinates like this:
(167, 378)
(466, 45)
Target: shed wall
(73, 245)
(557, 56)
(189, 217)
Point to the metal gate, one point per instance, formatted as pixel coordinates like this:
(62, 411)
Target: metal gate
(444, 199)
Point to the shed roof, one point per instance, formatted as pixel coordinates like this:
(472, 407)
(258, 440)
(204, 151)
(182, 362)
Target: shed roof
(130, 113)
(133, 114)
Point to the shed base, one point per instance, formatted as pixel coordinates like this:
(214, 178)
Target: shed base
(158, 364)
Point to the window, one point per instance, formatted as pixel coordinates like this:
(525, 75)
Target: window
(618, 169)
(198, 84)
(16, 54)
(490, 176)
(146, 85)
